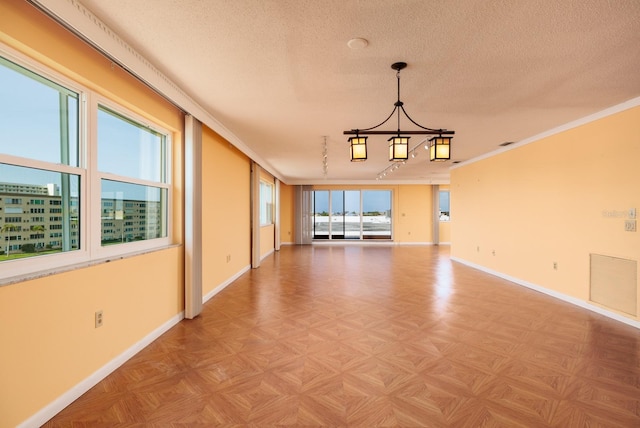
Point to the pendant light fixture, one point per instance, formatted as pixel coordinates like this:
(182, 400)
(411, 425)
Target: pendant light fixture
(440, 146)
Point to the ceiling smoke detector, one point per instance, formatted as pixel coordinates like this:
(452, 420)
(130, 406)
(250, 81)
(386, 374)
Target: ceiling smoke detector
(357, 43)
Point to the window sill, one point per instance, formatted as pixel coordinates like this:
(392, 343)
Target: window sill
(71, 267)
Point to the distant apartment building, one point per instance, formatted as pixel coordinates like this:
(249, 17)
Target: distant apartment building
(125, 220)
(33, 218)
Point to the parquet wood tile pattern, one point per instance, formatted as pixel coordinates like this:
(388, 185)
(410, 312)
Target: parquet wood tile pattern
(375, 336)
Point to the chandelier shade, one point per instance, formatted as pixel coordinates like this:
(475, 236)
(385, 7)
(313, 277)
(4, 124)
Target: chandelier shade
(358, 148)
(398, 148)
(440, 148)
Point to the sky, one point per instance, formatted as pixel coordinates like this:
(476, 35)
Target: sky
(30, 121)
(372, 200)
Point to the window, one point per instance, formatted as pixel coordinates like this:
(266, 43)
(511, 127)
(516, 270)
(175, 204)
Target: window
(46, 158)
(137, 182)
(39, 119)
(445, 214)
(266, 203)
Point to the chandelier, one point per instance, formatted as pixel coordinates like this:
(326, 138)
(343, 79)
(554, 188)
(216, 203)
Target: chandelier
(439, 145)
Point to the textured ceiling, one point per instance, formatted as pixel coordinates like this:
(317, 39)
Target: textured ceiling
(280, 76)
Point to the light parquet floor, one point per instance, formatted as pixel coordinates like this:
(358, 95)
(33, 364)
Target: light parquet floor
(368, 336)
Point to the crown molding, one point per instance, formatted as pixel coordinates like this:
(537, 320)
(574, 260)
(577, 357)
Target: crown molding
(82, 22)
(634, 102)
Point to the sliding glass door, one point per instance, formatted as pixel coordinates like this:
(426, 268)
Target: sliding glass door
(345, 221)
(352, 214)
(352, 217)
(336, 224)
(376, 214)
(321, 214)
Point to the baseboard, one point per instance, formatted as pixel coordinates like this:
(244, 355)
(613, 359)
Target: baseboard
(268, 254)
(419, 244)
(222, 286)
(364, 242)
(552, 293)
(74, 393)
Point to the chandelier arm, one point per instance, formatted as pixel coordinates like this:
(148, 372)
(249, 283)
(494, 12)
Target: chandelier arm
(424, 130)
(395, 132)
(380, 124)
(417, 124)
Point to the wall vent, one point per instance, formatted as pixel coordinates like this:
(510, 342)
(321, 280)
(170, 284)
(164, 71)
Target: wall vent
(614, 283)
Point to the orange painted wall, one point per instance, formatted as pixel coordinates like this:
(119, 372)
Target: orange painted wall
(413, 219)
(267, 240)
(287, 214)
(48, 340)
(548, 201)
(226, 214)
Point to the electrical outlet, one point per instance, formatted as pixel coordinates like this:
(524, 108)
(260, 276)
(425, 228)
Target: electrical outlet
(98, 319)
(629, 225)
(555, 265)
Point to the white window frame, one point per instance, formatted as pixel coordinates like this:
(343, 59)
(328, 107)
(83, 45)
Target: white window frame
(21, 267)
(89, 240)
(97, 176)
(267, 206)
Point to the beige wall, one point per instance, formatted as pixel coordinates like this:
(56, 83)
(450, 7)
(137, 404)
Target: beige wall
(287, 214)
(412, 210)
(226, 214)
(548, 202)
(47, 337)
(413, 221)
(267, 240)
